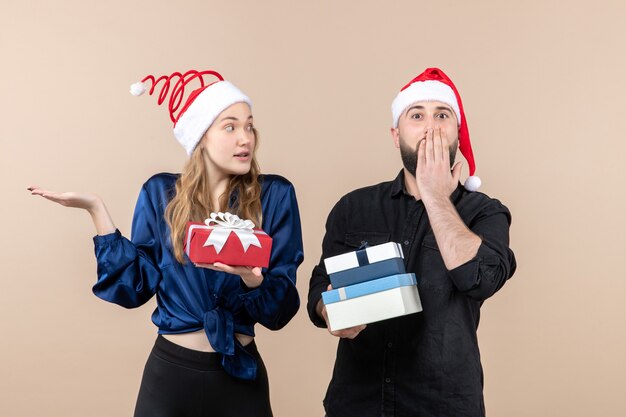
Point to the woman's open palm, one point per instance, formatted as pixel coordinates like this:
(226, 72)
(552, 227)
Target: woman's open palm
(85, 201)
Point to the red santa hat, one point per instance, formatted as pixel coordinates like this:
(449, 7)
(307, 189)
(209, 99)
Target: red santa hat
(202, 106)
(434, 85)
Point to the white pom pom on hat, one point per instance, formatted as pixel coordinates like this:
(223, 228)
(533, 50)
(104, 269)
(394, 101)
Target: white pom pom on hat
(472, 183)
(138, 88)
(434, 85)
(201, 107)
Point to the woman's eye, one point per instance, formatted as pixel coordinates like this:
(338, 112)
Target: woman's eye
(250, 128)
(229, 128)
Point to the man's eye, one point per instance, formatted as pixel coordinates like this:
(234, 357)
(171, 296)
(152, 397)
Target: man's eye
(442, 116)
(229, 128)
(416, 116)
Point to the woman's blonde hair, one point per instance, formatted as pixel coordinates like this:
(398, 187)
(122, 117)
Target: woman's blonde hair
(192, 201)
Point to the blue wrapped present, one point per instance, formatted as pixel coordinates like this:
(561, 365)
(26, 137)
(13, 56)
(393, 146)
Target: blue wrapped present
(365, 265)
(368, 287)
(372, 301)
(367, 272)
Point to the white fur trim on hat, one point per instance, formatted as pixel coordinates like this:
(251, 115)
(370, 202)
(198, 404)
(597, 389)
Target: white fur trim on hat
(201, 114)
(429, 90)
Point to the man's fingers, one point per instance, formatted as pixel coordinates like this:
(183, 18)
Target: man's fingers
(456, 172)
(349, 333)
(445, 146)
(437, 146)
(444, 138)
(421, 153)
(429, 146)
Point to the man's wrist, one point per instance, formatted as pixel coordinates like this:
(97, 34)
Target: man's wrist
(436, 200)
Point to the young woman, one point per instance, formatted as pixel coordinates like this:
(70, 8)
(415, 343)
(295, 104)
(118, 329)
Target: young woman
(204, 361)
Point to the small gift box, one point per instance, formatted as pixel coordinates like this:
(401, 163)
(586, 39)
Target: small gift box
(226, 238)
(365, 264)
(372, 301)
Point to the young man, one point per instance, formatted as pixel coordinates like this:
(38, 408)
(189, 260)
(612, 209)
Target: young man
(456, 241)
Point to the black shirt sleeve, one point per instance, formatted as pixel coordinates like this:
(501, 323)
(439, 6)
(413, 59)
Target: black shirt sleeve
(333, 244)
(494, 263)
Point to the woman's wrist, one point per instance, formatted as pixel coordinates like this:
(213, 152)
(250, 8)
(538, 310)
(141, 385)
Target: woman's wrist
(251, 280)
(101, 218)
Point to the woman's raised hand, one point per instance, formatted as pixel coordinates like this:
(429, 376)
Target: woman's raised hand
(68, 199)
(86, 201)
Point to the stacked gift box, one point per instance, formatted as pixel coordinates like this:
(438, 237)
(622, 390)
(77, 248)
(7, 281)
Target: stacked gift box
(369, 285)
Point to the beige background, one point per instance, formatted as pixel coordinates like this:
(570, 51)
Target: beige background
(543, 85)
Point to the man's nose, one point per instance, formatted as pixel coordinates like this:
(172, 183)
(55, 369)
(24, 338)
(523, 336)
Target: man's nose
(431, 123)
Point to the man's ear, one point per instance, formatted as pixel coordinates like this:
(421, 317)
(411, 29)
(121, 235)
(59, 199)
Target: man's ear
(395, 135)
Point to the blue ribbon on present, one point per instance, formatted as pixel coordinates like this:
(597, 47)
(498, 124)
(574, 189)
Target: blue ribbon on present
(361, 256)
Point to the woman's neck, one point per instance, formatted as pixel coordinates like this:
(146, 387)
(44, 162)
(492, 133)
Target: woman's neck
(217, 187)
(217, 182)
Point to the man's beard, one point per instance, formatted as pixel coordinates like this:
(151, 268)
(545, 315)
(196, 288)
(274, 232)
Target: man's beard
(409, 156)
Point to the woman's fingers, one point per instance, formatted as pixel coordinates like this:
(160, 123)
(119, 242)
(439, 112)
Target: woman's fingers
(86, 201)
(34, 190)
(69, 199)
(207, 266)
(49, 195)
(65, 199)
(235, 270)
(223, 267)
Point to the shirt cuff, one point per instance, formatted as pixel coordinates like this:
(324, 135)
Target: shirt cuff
(316, 319)
(469, 275)
(103, 240)
(315, 296)
(250, 293)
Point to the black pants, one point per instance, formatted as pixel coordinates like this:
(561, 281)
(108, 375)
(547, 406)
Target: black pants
(180, 382)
